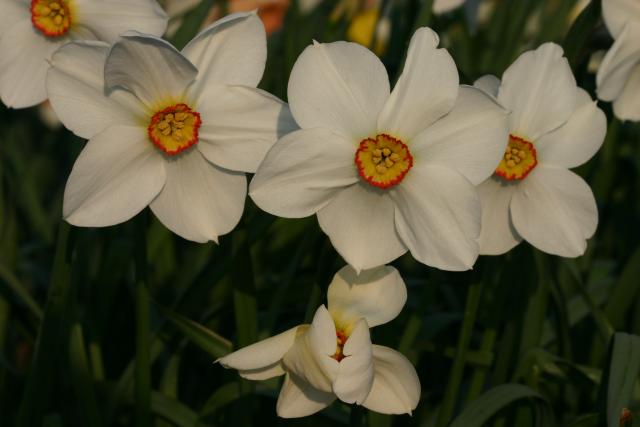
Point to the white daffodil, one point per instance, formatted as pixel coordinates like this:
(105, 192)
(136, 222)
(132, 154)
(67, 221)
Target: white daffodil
(385, 172)
(444, 6)
(618, 78)
(333, 356)
(173, 130)
(554, 125)
(30, 31)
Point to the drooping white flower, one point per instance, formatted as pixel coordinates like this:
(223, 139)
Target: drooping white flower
(385, 172)
(173, 130)
(30, 31)
(618, 78)
(554, 126)
(333, 356)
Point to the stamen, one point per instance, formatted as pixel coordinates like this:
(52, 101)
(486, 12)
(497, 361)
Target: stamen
(519, 159)
(174, 129)
(383, 161)
(51, 17)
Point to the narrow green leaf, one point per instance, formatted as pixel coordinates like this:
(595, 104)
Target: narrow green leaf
(624, 291)
(214, 344)
(37, 390)
(623, 375)
(82, 378)
(580, 32)
(457, 370)
(19, 290)
(191, 24)
(143, 325)
(496, 399)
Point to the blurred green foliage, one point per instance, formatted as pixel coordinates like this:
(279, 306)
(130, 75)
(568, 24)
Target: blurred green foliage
(121, 325)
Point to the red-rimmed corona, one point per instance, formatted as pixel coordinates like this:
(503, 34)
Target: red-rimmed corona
(174, 128)
(383, 161)
(53, 18)
(519, 159)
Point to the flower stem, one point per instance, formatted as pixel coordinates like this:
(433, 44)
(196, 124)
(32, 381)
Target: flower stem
(143, 368)
(455, 378)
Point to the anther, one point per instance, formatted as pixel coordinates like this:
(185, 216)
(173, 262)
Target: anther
(386, 151)
(381, 169)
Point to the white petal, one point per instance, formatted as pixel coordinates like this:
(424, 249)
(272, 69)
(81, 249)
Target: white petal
(24, 52)
(618, 63)
(470, 139)
(231, 51)
(426, 90)
(359, 221)
(489, 84)
(627, 106)
(438, 217)
(355, 372)
(497, 235)
(443, 6)
(200, 201)
(240, 124)
(617, 12)
(149, 67)
(117, 175)
(540, 90)
(396, 387)
(261, 360)
(303, 172)
(300, 399)
(579, 139)
(310, 357)
(339, 86)
(376, 295)
(555, 211)
(75, 84)
(109, 19)
(13, 11)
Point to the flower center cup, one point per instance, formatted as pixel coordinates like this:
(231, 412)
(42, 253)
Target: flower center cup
(174, 129)
(341, 338)
(51, 17)
(384, 161)
(519, 159)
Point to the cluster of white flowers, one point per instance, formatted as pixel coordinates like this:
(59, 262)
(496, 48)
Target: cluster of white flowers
(442, 170)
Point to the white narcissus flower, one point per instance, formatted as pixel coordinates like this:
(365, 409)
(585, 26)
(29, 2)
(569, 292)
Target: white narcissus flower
(444, 6)
(554, 126)
(30, 31)
(333, 356)
(173, 130)
(618, 78)
(385, 172)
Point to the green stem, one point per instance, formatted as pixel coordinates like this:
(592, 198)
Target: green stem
(143, 364)
(451, 393)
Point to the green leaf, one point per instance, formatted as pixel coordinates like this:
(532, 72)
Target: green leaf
(214, 344)
(191, 24)
(623, 375)
(19, 290)
(580, 32)
(82, 378)
(489, 404)
(624, 291)
(37, 390)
